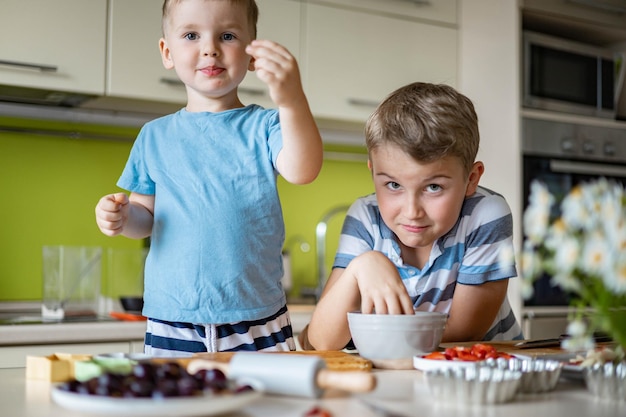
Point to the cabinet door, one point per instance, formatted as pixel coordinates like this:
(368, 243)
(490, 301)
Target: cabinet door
(135, 69)
(442, 11)
(354, 59)
(53, 44)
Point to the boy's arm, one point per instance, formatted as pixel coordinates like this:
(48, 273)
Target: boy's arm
(370, 282)
(300, 160)
(473, 310)
(328, 329)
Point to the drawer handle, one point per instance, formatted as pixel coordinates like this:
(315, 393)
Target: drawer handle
(26, 65)
(420, 2)
(362, 102)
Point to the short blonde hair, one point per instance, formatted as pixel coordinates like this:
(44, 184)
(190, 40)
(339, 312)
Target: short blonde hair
(428, 122)
(251, 7)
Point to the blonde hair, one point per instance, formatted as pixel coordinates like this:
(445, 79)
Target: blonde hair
(428, 122)
(251, 7)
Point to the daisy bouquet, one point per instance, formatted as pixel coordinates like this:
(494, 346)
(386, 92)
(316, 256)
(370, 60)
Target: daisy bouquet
(583, 249)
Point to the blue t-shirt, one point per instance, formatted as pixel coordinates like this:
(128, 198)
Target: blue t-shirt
(215, 254)
(467, 254)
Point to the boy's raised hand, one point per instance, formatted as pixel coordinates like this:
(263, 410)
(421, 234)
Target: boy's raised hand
(380, 285)
(275, 66)
(112, 213)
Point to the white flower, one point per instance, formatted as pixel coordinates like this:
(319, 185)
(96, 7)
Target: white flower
(574, 210)
(576, 328)
(595, 255)
(537, 214)
(578, 339)
(530, 262)
(566, 250)
(566, 281)
(616, 278)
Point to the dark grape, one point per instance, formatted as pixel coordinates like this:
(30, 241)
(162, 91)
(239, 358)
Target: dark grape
(143, 371)
(166, 388)
(70, 386)
(188, 386)
(213, 379)
(170, 370)
(139, 388)
(244, 388)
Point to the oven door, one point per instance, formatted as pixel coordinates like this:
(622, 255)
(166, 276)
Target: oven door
(560, 176)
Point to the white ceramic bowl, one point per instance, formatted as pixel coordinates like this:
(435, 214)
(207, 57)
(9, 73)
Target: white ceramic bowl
(391, 341)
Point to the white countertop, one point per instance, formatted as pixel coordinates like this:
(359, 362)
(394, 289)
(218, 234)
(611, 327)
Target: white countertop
(404, 392)
(82, 332)
(103, 331)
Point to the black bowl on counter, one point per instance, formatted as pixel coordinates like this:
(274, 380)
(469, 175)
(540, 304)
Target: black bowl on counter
(132, 303)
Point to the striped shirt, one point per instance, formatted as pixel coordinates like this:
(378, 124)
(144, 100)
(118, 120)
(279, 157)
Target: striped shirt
(468, 254)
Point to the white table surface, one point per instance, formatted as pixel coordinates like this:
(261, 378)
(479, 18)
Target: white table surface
(401, 391)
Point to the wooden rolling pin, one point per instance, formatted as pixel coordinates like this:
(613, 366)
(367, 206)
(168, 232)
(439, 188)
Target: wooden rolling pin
(297, 375)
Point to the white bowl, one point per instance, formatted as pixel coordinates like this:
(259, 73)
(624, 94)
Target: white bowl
(392, 340)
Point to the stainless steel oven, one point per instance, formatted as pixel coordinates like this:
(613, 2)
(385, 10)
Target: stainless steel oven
(563, 153)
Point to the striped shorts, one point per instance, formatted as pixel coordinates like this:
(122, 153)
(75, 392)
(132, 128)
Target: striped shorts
(178, 339)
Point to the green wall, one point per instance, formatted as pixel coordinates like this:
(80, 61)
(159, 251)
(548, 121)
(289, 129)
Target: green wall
(50, 185)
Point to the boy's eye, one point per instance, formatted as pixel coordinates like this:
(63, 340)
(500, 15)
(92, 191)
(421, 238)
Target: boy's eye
(228, 36)
(191, 36)
(433, 188)
(393, 185)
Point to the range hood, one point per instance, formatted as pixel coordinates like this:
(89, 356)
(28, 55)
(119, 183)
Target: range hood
(23, 95)
(42, 104)
(78, 107)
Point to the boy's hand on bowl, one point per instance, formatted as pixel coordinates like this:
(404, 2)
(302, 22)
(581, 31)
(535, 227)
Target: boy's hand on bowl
(381, 288)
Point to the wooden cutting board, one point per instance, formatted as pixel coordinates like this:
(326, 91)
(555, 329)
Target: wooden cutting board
(335, 360)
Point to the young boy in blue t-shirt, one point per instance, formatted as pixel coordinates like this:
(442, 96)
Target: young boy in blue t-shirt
(203, 186)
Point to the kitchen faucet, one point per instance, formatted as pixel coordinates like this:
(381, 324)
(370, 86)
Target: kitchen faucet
(320, 246)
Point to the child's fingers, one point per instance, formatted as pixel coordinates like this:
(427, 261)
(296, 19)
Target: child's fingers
(112, 203)
(120, 198)
(262, 48)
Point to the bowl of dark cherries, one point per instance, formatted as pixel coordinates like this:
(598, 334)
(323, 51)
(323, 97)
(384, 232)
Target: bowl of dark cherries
(156, 380)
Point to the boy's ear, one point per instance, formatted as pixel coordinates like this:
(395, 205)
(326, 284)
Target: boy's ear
(251, 64)
(369, 164)
(474, 177)
(166, 56)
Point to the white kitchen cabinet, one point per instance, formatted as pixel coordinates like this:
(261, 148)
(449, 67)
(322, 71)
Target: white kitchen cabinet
(441, 11)
(135, 69)
(355, 58)
(53, 44)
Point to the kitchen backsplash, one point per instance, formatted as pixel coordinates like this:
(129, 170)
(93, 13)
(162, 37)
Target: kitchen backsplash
(50, 185)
